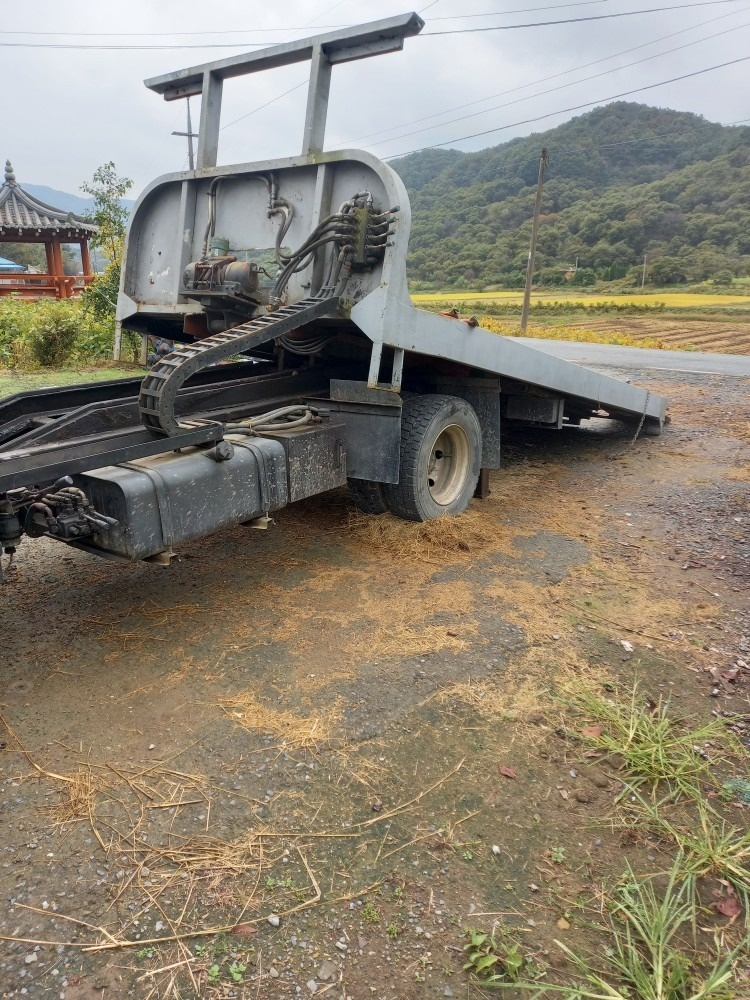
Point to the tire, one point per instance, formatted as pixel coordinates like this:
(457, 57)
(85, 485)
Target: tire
(441, 454)
(367, 496)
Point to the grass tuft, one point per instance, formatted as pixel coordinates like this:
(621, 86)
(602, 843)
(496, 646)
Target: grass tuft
(646, 959)
(710, 849)
(653, 747)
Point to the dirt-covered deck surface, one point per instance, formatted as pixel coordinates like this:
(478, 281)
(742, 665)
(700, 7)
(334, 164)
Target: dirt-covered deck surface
(301, 762)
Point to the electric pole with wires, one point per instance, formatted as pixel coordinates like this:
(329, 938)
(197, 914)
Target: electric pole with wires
(543, 159)
(190, 136)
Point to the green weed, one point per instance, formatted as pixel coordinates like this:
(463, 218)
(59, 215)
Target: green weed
(369, 914)
(237, 971)
(489, 960)
(654, 748)
(646, 960)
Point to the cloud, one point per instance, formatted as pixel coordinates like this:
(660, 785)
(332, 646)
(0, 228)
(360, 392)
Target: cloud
(71, 110)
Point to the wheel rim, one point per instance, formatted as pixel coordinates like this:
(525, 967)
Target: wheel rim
(448, 466)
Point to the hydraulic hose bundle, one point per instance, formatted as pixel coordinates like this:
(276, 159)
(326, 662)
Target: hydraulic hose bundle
(339, 228)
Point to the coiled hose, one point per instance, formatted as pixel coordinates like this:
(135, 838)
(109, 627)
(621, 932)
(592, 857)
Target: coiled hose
(285, 418)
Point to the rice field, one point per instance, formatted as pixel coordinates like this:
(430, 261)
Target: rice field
(666, 300)
(683, 321)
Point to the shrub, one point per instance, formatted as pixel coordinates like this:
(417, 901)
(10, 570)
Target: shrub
(584, 276)
(49, 333)
(723, 278)
(52, 333)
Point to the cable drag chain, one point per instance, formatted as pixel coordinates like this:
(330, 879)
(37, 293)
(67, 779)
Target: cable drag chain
(158, 394)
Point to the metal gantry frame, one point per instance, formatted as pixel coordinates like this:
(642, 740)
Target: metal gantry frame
(321, 51)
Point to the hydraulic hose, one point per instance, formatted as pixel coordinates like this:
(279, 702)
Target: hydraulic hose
(284, 418)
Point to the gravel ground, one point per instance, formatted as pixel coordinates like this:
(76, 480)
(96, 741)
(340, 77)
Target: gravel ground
(304, 739)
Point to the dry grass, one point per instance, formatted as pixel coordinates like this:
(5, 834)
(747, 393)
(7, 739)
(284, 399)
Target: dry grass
(210, 856)
(412, 639)
(436, 542)
(78, 797)
(294, 732)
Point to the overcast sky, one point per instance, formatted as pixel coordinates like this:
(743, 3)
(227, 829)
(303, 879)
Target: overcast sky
(68, 110)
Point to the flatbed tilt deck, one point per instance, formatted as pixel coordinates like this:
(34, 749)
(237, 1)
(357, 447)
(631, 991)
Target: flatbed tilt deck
(293, 270)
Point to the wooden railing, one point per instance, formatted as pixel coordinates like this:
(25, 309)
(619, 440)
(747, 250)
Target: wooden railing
(44, 286)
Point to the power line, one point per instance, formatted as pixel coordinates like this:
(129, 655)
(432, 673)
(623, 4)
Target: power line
(138, 48)
(576, 107)
(573, 20)
(502, 13)
(303, 27)
(545, 79)
(564, 86)
(272, 101)
(116, 47)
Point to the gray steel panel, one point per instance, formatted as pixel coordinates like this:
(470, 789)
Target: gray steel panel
(372, 434)
(535, 409)
(393, 320)
(170, 217)
(175, 498)
(315, 458)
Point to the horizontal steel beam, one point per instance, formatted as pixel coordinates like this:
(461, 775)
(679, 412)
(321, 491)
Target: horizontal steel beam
(39, 466)
(343, 45)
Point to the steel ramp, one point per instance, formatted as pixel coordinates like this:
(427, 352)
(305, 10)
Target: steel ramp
(395, 322)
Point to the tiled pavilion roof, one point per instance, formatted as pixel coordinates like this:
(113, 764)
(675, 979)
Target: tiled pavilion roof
(22, 215)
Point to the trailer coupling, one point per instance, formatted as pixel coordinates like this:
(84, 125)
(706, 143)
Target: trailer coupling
(60, 511)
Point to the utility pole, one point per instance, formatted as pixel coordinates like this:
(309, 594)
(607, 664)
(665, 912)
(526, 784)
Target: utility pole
(532, 248)
(190, 136)
(643, 273)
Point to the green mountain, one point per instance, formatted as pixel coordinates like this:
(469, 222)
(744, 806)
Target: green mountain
(623, 180)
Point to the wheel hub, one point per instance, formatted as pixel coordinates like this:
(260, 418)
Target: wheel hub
(448, 465)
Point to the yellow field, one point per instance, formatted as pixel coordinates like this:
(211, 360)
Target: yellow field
(675, 300)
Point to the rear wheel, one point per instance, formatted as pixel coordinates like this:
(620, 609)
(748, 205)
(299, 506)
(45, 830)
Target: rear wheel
(441, 452)
(367, 496)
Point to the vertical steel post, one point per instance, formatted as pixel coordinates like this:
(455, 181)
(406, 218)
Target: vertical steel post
(376, 355)
(532, 249)
(317, 102)
(208, 130)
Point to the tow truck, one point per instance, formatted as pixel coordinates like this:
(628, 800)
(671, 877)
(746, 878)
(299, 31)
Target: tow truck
(303, 364)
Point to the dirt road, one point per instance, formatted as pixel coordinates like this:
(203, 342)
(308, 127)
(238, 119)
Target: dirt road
(300, 762)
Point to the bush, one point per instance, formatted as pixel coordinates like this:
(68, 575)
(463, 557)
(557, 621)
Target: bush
(550, 276)
(100, 297)
(723, 278)
(50, 334)
(584, 276)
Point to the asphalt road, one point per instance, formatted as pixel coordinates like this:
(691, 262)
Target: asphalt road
(637, 357)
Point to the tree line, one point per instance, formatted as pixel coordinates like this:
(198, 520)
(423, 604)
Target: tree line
(625, 182)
